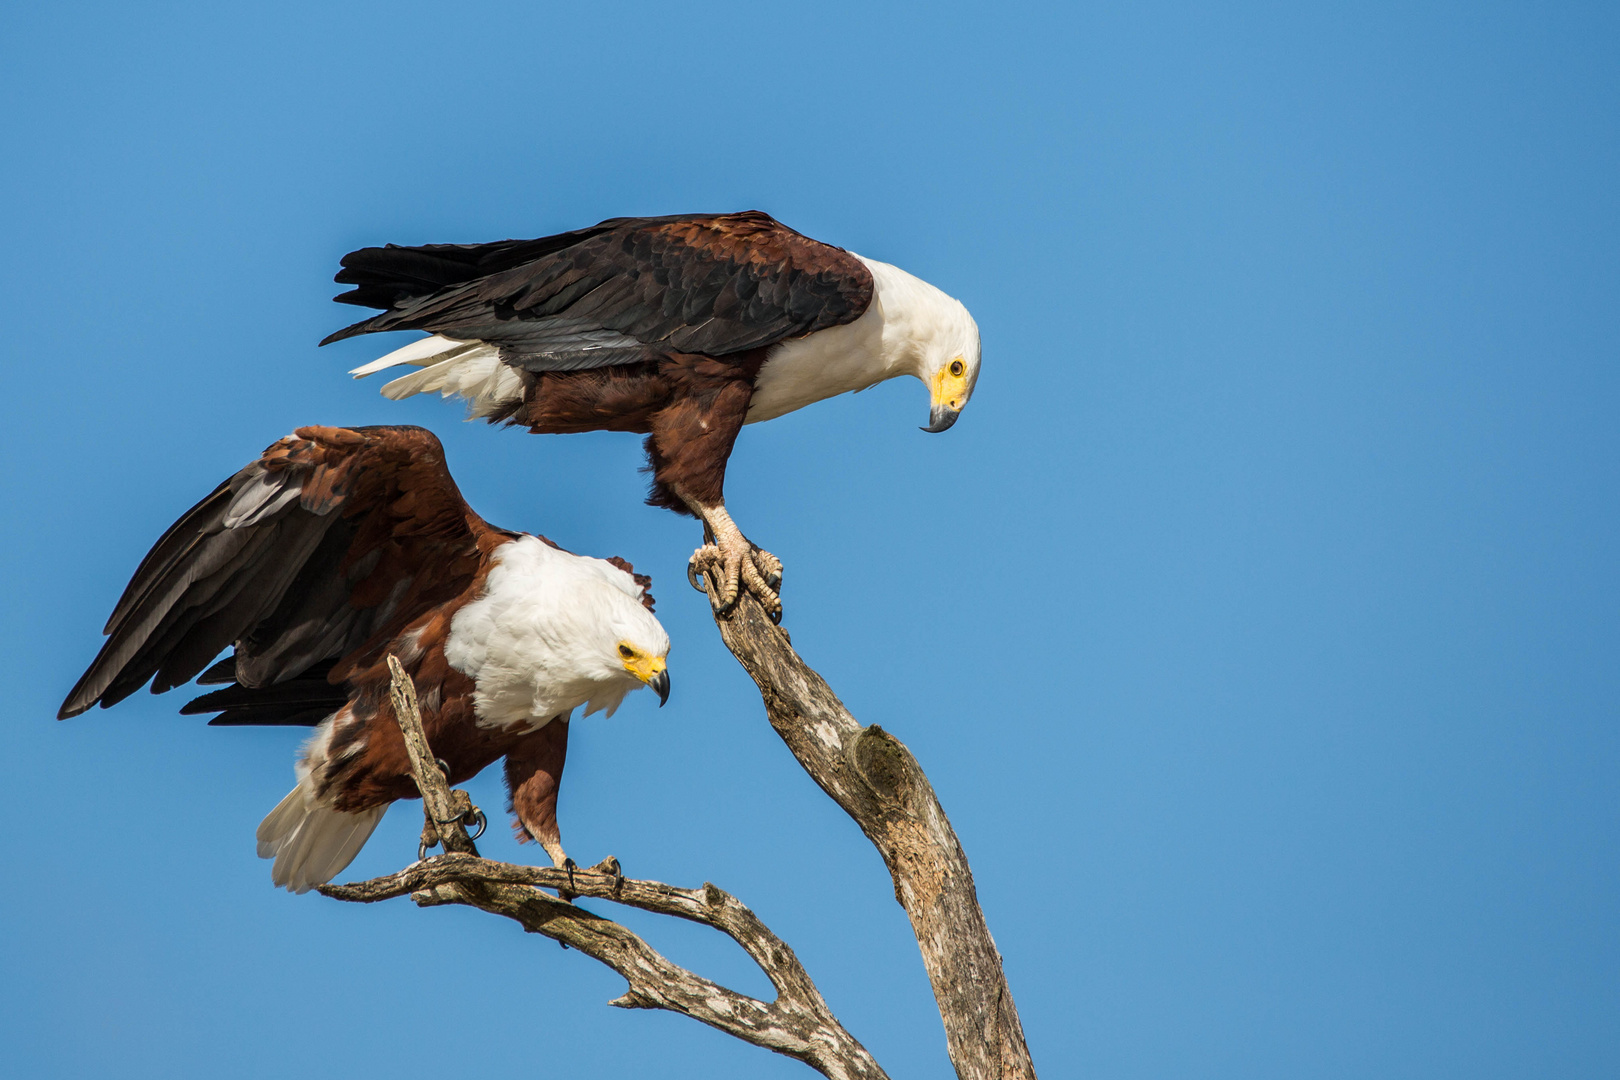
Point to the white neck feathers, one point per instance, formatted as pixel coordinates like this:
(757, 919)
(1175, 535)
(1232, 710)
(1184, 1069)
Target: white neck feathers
(914, 315)
(899, 334)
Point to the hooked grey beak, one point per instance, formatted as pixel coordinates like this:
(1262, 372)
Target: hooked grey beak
(660, 683)
(941, 417)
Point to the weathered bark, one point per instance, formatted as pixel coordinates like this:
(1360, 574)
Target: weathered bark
(441, 807)
(875, 779)
(798, 1023)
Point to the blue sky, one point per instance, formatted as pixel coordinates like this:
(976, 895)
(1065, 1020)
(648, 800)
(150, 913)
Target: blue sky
(1257, 624)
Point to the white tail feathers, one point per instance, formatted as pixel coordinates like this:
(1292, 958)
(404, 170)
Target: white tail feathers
(464, 369)
(428, 350)
(312, 843)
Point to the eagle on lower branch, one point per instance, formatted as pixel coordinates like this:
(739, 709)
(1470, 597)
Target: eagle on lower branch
(335, 549)
(680, 328)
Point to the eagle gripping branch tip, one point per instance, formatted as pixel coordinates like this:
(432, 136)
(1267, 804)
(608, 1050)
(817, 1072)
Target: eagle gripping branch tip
(473, 820)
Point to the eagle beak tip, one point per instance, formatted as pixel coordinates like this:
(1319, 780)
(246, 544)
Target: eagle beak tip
(660, 684)
(940, 418)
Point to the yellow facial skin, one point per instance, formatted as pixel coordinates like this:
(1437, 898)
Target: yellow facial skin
(644, 667)
(949, 386)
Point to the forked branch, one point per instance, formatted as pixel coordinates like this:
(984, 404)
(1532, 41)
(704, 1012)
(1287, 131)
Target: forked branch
(798, 1023)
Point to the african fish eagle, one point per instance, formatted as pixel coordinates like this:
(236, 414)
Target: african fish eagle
(681, 328)
(336, 548)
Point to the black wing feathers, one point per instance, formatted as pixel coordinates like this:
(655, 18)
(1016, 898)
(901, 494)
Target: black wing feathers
(626, 290)
(389, 274)
(306, 699)
(297, 561)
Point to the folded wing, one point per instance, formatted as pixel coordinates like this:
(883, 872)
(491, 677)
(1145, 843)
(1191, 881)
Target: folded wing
(627, 290)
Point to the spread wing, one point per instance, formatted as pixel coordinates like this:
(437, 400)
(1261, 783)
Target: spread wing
(626, 290)
(310, 559)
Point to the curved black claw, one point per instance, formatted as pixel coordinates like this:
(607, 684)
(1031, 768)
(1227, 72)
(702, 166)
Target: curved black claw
(569, 865)
(610, 865)
(774, 580)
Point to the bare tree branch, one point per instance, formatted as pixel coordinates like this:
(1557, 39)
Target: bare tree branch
(866, 771)
(798, 1023)
(875, 779)
(446, 813)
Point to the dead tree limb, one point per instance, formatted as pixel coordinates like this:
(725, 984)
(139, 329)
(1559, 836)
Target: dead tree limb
(875, 779)
(798, 1023)
(446, 813)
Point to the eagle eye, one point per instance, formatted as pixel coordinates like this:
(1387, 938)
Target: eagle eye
(626, 651)
(956, 368)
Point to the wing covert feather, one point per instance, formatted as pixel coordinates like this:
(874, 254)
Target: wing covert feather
(327, 545)
(630, 288)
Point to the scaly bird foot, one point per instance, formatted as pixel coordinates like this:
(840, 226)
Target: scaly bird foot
(724, 570)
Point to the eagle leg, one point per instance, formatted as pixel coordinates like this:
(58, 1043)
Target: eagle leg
(728, 564)
(534, 768)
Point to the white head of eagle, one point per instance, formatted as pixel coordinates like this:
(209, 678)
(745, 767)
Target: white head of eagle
(553, 631)
(909, 328)
(933, 336)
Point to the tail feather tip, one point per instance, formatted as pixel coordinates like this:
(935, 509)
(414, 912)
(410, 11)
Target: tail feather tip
(311, 843)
